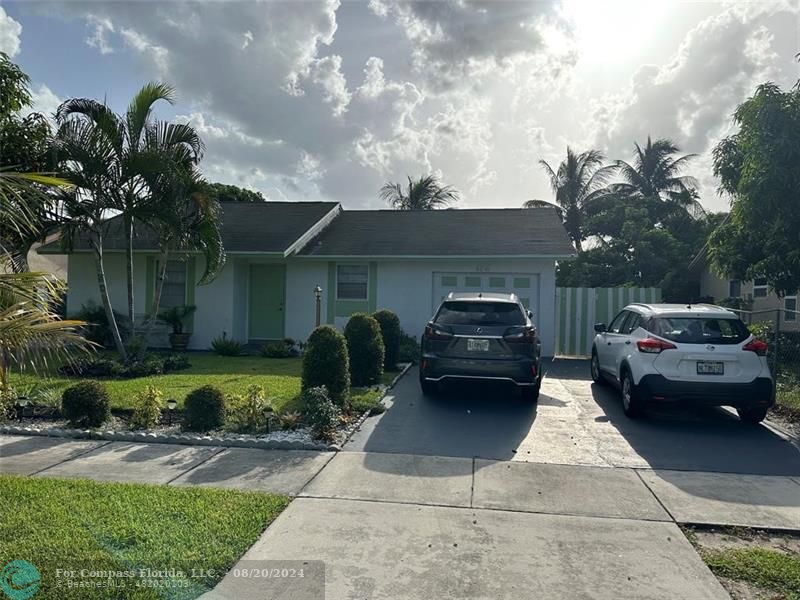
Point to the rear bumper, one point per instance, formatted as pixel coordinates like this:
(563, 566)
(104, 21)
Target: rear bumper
(657, 389)
(520, 372)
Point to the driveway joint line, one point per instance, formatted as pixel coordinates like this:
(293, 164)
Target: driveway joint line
(487, 508)
(314, 476)
(61, 462)
(660, 503)
(217, 451)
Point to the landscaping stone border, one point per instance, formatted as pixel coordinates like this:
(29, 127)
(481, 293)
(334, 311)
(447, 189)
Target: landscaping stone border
(360, 421)
(190, 439)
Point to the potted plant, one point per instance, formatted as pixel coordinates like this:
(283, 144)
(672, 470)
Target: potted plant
(175, 317)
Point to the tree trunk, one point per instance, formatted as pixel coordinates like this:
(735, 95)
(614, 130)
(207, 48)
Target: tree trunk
(152, 318)
(104, 298)
(5, 386)
(578, 246)
(129, 272)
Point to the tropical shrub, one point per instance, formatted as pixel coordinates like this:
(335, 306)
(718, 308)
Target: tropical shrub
(390, 333)
(97, 329)
(176, 362)
(150, 365)
(249, 413)
(225, 346)
(325, 362)
(365, 349)
(176, 317)
(319, 412)
(86, 404)
(409, 348)
(276, 350)
(147, 408)
(204, 409)
(290, 420)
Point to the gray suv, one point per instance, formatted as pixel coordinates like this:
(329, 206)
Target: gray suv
(481, 336)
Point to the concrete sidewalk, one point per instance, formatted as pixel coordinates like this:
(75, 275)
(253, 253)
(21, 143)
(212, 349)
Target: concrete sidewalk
(404, 526)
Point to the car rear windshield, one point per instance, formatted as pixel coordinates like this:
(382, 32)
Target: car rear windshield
(480, 313)
(699, 330)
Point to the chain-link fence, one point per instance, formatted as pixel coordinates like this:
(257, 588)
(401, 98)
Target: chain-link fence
(780, 328)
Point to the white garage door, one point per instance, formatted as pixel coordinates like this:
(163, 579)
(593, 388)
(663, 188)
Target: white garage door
(524, 285)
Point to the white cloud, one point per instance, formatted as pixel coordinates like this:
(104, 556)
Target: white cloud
(44, 101)
(10, 31)
(100, 29)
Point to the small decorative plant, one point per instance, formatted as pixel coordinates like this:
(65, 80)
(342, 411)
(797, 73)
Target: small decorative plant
(204, 409)
(176, 318)
(86, 404)
(320, 412)
(147, 408)
(225, 346)
(249, 413)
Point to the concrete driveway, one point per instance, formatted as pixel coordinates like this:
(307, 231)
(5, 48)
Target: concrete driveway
(575, 422)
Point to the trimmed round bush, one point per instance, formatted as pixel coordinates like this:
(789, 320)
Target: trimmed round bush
(390, 332)
(86, 404)
(204, 409)
(365, 347)
(325, 362)
(319, 412)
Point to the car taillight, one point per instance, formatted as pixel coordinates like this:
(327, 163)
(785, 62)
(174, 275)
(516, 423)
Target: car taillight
(432, 332)
(756, 346)
(654, 346)
(526, 335)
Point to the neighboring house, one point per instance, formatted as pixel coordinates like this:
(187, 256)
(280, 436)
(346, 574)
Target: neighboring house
(753, 296)
(278, 252)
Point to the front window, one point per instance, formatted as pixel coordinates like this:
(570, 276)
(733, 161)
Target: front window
(616, 324)
(480, 313)
(760, 288)
(352, 282)
(734, 288)
(790, 306)
(174, 291)
(699, 330)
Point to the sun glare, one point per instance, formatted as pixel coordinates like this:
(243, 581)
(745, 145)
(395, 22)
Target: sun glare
(611, 30)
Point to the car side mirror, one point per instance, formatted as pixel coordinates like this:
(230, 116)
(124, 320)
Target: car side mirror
(530, 314)
(600, 327)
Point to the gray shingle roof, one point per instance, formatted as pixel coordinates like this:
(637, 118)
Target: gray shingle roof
(469, 232)
(246, 227)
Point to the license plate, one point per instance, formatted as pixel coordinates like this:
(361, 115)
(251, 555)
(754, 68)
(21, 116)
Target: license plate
(477, 345)
(710, 368)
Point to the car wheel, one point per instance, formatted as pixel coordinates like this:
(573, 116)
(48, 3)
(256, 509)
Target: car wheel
(631, 403)
(429, 388)
(594, 366)
(752, 414)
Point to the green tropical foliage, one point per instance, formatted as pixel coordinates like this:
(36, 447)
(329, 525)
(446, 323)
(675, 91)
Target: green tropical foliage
(758, 168)
(425, 193)
(579, 179)
(221, 192)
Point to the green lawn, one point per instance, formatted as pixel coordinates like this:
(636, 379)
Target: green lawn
(87, 525)
(787, 398)
(280, 377)
(776, 571)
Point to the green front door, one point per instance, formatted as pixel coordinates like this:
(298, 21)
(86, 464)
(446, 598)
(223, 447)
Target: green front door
(267, 299)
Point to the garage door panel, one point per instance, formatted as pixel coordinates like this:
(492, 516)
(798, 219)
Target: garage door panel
(524, 285)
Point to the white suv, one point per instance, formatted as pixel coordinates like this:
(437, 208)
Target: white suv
(698, 353)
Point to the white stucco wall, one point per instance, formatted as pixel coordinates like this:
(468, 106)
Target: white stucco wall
(302, 277)
(83, 287)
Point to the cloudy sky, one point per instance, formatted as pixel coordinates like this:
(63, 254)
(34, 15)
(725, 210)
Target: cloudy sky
(327, 100)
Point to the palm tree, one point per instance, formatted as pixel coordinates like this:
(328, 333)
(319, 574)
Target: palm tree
(128, 151)
(30, 331)
(579, 180)
(655, 177)
(426, 193)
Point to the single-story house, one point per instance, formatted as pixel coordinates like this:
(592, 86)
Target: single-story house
(279, 252)
(752, 296)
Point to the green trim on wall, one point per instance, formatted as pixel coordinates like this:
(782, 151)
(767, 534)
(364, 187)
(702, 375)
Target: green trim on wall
(150, 281)
(331, 312)
(191, 283)
(497, 282)
(372, 292)
(345, 308)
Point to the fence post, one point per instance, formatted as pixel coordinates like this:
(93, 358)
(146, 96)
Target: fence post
(775, 344)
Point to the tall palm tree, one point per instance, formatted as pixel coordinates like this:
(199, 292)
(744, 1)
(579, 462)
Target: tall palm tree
(425, 193)
(30, 331)
(579, 180)
(655, 176)
(131, 149)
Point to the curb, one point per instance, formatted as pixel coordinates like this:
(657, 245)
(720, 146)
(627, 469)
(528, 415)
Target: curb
(360, 421)
(186, 439)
